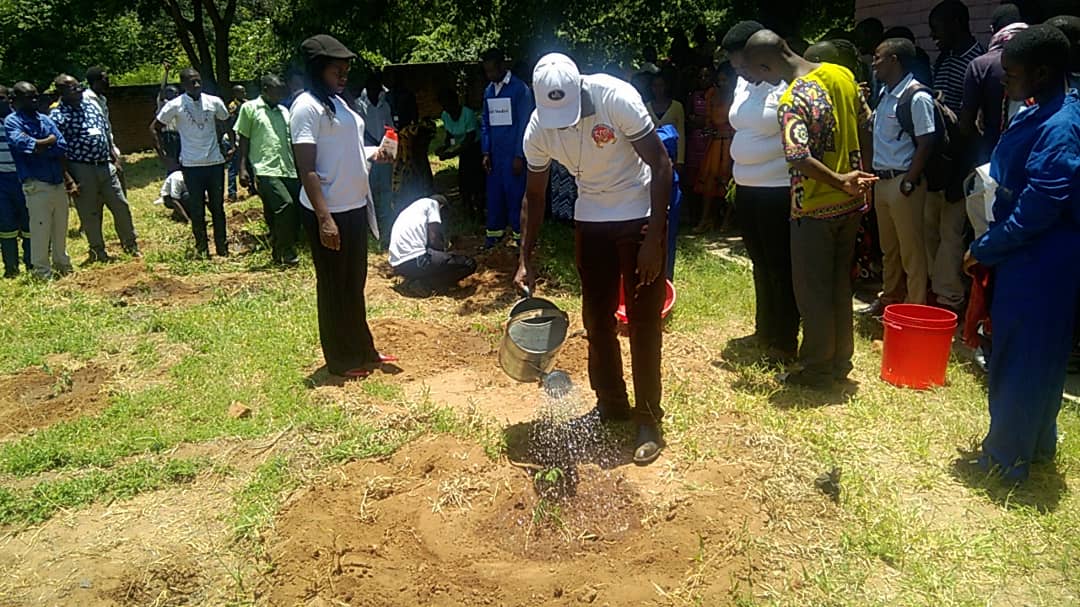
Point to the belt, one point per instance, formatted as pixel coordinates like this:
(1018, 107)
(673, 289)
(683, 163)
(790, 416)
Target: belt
(890, 174)
(97, 163)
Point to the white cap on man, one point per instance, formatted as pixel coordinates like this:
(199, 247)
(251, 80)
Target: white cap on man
(557, 83)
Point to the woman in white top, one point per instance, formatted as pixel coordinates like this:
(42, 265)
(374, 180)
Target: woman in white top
(327, 137)
(763, 201)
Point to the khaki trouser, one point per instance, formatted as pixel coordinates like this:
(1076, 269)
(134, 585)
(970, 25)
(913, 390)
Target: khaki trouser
(945, 247)
(99, 187)
(901, 231)
(47, 204)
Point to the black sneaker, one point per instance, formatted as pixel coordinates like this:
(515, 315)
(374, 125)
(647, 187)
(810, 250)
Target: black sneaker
(815, 381)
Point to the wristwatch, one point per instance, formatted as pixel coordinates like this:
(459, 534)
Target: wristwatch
(906, 187)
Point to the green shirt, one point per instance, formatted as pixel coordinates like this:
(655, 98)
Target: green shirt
(267, 129)
(465, 124)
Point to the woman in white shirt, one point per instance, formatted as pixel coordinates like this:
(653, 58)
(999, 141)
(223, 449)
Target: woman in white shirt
(327, 137)
(763, 201)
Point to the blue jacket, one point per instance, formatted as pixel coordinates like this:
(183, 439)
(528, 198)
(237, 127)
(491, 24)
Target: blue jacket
(504, 143)
(1037, 167)
(23, 131)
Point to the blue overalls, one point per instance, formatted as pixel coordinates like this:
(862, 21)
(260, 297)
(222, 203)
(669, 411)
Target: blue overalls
(14, 217)
(670, 138)
(1033, 248)
(503, 142)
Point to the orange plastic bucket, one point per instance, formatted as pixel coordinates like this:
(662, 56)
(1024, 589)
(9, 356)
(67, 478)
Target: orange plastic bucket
(918, 340)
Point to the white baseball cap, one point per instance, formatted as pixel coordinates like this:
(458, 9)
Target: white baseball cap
(557, 85)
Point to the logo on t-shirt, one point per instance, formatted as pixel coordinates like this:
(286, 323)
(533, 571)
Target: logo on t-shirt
(556, 95)
(603, 134)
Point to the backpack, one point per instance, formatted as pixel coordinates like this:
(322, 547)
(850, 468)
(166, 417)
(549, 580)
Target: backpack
(945, 162)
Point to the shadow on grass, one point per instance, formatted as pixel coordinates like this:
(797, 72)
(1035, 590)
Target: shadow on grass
(746, 359)
(322, 376)
(142, 172)
(1042, 491)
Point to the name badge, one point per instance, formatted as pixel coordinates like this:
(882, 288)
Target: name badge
(500, 112)
(94, 131)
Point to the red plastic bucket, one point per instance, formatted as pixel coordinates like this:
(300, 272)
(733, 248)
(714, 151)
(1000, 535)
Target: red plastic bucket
(669, 303)
(918, 340)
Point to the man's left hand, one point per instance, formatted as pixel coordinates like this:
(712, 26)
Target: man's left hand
(519, 165)
(650, 260)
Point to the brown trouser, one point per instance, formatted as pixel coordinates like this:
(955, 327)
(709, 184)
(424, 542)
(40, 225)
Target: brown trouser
(606, 252)
(901, 228)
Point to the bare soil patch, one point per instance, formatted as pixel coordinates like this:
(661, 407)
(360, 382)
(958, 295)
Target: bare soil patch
(425, 348)
(36, 398)
(440, 524)
(130, 283)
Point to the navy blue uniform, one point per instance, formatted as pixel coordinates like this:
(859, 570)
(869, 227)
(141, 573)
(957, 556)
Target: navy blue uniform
(1033, 248)
(501, 137)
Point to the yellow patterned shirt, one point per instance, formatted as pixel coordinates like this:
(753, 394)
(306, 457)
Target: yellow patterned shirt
(820, 115)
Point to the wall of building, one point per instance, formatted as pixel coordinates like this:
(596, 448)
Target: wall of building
(131, 108)
(915, 14)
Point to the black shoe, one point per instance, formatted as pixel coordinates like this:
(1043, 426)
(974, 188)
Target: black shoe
(779, 356)
(11, 273)
(648, 445)
(133, 250)
(815, 381)
(202, 253)
(613, 413)
(97, 256)
(874, 310)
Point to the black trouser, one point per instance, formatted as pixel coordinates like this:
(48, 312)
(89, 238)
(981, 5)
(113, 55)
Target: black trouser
(206, 188)
(340, 280)
(438, 269)
(764, 218)
(606, 251)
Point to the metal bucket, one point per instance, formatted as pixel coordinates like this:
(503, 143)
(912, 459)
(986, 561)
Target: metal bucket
(534, 335)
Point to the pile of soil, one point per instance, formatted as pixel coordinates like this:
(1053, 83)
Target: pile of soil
(440, 524)
(34, 398)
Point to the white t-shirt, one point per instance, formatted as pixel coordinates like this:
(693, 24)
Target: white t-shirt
(196, 121)
(409, 237)
(757, 148)
(612, 179)
(339, 151)
(174, 186)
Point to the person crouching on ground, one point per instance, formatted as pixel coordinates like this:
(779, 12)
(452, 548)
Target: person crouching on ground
(419, 248)
(825, 125)
(598, 127)
(1032, 252)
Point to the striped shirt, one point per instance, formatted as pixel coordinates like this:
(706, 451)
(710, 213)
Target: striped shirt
(7, 163)
(949, 71)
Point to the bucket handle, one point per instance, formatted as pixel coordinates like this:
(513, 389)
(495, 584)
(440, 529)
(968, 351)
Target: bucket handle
(893, 325)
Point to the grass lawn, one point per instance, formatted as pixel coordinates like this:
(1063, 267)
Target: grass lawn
(124, 479)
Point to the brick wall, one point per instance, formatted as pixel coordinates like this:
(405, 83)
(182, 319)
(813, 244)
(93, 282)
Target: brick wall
(915, 14)
(131, 108)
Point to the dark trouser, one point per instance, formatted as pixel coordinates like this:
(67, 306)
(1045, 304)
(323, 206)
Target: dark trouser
(764, 215)
(99, 187)
(438, 269)
(206, 188)
(340, 280)
(605, 252)
(281, 207)
(14, 224)
(1033, 307)
(821, 254)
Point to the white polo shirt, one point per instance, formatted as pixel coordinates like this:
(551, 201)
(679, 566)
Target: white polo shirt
(757, 148)
(612, 179)
(409, 236)
(196, 121)
(339, 151)
(894, 150)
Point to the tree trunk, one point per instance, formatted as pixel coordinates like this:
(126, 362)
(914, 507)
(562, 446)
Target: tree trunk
(222, 24)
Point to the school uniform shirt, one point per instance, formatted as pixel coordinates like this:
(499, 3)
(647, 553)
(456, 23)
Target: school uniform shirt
(339, 153)
(893, 149)
(196, 121)
(174, 186)
(85, 130)
(612, 179)
(756, 148)
(266, 128)
(820, 115)
(23, 131)
(409, 236)
(949, 71)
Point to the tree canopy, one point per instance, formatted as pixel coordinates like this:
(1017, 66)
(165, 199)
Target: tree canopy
(240, 39)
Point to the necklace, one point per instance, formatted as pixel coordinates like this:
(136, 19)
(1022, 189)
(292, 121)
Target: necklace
(203, 118)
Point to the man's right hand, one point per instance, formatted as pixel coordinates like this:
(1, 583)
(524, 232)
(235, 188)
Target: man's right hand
(487, 163)
(328, 233)
(243, 177)
(525, 279)
(857, 182)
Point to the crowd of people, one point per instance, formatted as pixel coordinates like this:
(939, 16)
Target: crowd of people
(815, 151)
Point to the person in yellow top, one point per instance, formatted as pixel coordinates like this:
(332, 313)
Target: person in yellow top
(825, 127)
(665, 110)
